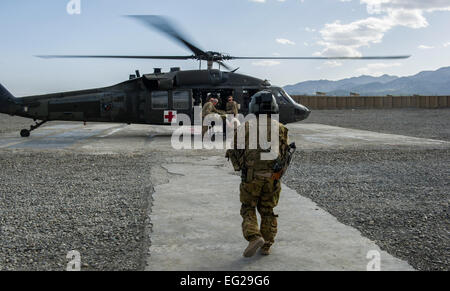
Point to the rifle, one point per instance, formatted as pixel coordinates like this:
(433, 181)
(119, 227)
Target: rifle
(282, 164)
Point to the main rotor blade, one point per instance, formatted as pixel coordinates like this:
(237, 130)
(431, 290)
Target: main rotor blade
(163, 25)
(116, 57)
(319, 58)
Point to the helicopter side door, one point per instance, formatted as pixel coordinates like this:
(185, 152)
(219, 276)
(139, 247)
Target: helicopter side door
(164, 106)
(182, 102)
(157, 105)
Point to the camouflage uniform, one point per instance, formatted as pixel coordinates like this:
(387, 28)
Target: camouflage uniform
(207, 109)
(259, 190)
(232, 108)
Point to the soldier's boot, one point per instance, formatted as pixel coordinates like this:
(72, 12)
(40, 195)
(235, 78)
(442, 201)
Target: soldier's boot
(265, 249)
(268, 230)
(250, 228)
(253, 247)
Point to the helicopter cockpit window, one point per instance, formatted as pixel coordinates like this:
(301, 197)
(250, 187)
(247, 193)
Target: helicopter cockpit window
(287, 96)
(281, 98)
(160, 99)
(180, 99)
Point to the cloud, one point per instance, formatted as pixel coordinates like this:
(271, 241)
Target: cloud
(408, 18)
(425, 47)
(333, 50)
(380, 6)
(376, 69)
(447, 44)
(329, 64)
(309, 29)
(346, 39)
(333, 64)
(285, 41)
(266, 63)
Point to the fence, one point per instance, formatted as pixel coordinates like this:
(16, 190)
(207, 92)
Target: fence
(373, 102)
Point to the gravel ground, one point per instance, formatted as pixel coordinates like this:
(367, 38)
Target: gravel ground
(397, 197)
(425, 123)
(13, 123)
(52, 203)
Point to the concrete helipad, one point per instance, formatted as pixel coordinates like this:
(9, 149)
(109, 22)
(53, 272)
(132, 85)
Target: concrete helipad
(99, 137)
(197, 226)
(320, 136)
(195, 214)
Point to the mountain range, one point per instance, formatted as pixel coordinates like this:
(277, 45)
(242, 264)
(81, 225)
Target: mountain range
(424, 83)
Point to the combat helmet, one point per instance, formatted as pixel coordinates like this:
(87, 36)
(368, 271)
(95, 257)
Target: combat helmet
(263, 102)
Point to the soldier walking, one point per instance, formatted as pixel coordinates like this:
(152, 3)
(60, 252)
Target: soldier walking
(260, 187)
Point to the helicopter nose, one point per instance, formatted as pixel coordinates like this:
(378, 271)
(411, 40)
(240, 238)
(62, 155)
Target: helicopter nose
(301, 112)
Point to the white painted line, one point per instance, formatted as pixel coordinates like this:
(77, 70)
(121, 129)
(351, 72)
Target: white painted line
(112, 132)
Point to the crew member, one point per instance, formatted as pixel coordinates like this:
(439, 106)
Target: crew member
(208, 108)
(232, 106)
(231, 109)
(260, 187)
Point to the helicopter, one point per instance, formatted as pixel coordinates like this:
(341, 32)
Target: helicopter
(158, 97)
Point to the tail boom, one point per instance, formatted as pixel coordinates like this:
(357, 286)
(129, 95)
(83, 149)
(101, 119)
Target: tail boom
(7, 101)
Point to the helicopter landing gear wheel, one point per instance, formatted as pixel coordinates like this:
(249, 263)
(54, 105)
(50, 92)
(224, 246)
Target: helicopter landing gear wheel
(27, 132)
(24, 133)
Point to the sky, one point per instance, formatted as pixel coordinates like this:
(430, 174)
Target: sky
(237, 27)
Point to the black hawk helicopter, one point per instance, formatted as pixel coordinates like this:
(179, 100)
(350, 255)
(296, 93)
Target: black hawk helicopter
(158, 97)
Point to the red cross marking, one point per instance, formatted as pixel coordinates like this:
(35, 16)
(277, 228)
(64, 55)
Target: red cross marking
(170, 117)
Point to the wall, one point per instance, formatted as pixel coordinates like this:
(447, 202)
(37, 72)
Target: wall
(373, 102)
